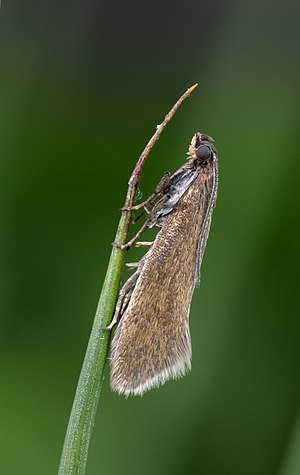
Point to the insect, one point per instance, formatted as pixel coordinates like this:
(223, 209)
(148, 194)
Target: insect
(152, 341)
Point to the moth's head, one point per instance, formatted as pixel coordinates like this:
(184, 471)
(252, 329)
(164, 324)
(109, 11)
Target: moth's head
(201, 148)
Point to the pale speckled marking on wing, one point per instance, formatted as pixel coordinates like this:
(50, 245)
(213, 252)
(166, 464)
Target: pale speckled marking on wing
(152, 341)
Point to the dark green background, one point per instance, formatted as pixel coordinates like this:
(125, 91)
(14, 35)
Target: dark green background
(82, 86)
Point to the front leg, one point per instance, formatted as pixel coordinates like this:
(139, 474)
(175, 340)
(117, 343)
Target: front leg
(160, 189)
(130, 243)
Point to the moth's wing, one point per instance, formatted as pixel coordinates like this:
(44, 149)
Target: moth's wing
(152, 341)
(211, 184)
(145, 353)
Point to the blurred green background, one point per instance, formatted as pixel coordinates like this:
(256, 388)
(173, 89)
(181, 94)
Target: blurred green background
(82, 86)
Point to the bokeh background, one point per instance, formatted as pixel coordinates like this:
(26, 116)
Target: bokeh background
(82, 86)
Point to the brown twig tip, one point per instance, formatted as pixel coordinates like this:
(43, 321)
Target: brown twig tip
(192, 88)
(133, 182)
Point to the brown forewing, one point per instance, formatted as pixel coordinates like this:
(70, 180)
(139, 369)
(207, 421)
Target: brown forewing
(152, 341)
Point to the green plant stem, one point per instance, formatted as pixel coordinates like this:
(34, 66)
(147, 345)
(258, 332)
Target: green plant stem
(82, 417)
(75, 450)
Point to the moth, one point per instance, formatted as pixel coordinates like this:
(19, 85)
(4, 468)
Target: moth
(152, 342)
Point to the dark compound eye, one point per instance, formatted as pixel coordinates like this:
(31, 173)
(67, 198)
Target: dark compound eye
(203, 152)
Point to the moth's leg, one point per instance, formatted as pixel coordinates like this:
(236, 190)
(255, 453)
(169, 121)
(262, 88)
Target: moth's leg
(123, 300)
(130, 243)
(164, 183)
(125, 303)
(145, 210)
(140, 205)
(160, 188)
(132, 265)
(143, 243)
